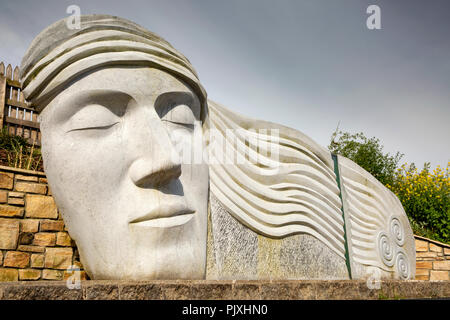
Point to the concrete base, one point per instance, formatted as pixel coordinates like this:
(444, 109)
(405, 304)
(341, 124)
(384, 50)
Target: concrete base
(224, 290)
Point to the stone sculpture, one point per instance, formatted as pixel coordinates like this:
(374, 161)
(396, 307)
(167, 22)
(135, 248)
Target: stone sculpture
(155, 181)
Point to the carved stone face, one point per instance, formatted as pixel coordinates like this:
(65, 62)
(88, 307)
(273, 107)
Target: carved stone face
(134, 208)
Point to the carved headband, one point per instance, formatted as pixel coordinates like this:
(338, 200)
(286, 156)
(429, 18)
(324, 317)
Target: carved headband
(59, 55)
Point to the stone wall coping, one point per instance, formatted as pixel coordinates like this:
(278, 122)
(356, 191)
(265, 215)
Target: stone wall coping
(224, 290)
(432, 241)
(23, 171)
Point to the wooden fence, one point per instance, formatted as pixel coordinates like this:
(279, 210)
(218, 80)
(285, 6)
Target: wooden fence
(18, 116)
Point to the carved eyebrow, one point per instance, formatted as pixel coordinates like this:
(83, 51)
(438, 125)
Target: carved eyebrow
(115, 100)
(167, 100)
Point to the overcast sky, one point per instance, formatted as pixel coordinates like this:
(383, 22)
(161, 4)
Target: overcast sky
(307, 64)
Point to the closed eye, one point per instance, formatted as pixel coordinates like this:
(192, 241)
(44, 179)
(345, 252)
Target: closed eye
(189, 126)
(94, 128)
(178, 107)
(98, 110)
(92, 116)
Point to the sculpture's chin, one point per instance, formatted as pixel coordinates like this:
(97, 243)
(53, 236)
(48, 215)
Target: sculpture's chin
(146, 268)
(147, 253)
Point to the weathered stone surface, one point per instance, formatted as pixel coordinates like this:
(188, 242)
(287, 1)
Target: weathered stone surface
(7, 274)
(1, 257)
(100, 291)
(247, 255)
(40, 207)
(302, 257)
(52, 225)
(63, 239)
(342, 289)
(13, 194)
(246, 290)
(426, 254)
(413, 289)
(30, 187)
(424, 264)
(374, 291)
(441, 265)
(6, 180)
(10, 211)
(26, 237)
(29, 274)
(16, 259)
(423, 272)
(435, 248)
(28, 248)
(26, 178)
(44, 239)
(278, 291)
(29, 225)
(286, 289)
(43, 180)
(176, 290)
(211, 290)
(37, 260)
(58, 258)
(41, 290)
(439, 275)
(421, 245)
(139, 291)
(16, 201)
(52, 274)
(3, 196)
(422, 277)
(304, 290)
(447, 251)
(9, 233)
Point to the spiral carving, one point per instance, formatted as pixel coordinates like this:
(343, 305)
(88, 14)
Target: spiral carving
(402, 265)
(386, 249)
(389, 246)
(397, 231)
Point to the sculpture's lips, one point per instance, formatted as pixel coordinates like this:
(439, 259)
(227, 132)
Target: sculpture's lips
(165, 216)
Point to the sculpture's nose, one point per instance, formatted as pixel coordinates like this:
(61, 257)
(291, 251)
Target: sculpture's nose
(146, 172)
(156, 163)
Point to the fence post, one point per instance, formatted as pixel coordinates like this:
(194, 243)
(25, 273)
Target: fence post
(2, 99)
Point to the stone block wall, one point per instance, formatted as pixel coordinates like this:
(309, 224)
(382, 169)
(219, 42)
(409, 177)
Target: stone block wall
(432, 259)
(34, 243)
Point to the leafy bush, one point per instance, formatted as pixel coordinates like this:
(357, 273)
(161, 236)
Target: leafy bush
(16, 152)
(425, 196)
(368, 153)
(10, 142)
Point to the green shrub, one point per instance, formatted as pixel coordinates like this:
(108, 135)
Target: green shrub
(368, 153)
(17, 153)
(11, 142)
(425, 196)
